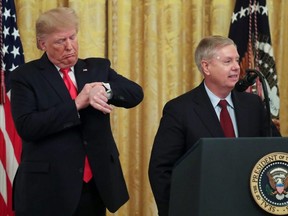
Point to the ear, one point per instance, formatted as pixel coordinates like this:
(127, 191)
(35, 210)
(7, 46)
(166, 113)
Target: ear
(41, 44)
(205, 67)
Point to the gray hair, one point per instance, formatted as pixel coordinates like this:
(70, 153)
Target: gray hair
(208, 47)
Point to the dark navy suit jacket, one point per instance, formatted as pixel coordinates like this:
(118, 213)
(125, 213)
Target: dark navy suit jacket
(56, 137)
(188, 118)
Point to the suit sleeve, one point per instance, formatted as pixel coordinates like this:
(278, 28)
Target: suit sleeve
(168, 147)
(37, 111)
(125, 93)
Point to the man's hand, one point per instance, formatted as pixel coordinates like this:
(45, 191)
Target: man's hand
(98, 98)
(82, 99)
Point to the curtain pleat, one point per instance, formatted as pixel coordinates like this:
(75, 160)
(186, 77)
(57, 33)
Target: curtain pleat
(151, 42)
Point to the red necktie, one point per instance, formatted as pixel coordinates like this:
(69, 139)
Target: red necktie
(73, 92)
(68, 82)
(225, 120)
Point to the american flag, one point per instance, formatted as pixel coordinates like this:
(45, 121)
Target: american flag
(10, 143)
(250, 31)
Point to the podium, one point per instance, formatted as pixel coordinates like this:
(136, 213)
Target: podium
(213, 177)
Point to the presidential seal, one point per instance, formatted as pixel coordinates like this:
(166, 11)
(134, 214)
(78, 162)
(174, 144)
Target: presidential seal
(269, 183)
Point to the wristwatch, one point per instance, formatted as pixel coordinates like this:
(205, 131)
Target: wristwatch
(107, 89)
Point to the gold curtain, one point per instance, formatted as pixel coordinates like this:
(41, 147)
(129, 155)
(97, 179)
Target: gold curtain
(151, 42)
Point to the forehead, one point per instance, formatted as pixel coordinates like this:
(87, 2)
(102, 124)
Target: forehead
(62, 33)
(229, 51)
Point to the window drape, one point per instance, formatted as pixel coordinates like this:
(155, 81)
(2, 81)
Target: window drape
(151, 42)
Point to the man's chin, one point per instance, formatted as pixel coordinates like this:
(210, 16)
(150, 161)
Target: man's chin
(70, 61)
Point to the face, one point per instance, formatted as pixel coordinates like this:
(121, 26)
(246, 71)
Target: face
(61, 47)
(222, 71)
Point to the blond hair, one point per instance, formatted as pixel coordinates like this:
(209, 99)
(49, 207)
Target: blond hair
(56, 19)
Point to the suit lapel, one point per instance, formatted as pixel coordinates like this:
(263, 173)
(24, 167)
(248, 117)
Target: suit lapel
(50, 73)
(206, 112)
(81, 74)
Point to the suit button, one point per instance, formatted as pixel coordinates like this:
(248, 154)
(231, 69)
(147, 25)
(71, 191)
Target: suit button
(85, 143)
(80, 170)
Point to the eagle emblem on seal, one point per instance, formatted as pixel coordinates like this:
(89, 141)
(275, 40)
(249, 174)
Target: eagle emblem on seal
(278, 181)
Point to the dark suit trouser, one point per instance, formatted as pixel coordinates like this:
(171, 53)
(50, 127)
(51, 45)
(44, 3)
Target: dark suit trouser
(90, 203)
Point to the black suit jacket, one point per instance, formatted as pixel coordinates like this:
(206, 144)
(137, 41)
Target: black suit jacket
(56, 137)
(188, 118)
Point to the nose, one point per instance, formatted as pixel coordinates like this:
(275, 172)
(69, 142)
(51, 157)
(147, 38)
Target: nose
(236, 65)
(68, 44)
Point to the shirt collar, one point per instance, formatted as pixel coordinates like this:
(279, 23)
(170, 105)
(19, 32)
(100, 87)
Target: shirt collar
(58, 68)
(215, 100)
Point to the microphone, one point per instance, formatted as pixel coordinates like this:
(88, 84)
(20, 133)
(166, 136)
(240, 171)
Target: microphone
(248, 80)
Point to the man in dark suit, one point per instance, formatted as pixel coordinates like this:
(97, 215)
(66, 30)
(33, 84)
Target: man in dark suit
(196, 114)
(59, 133)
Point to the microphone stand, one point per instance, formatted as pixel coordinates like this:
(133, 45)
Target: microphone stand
(266, 97)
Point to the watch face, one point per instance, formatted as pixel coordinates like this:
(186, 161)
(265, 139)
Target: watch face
(107, 89)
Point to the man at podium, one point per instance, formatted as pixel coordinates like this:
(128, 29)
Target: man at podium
(213, 109)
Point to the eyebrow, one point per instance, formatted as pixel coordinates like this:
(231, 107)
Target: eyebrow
(227, 57)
